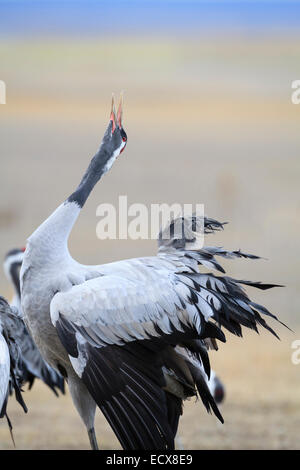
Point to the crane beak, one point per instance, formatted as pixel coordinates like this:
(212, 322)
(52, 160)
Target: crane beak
(120, 111)
(113, 114)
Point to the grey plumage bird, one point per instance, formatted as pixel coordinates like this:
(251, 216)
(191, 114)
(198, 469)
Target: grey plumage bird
(11, 377)
(32, 363)
(129, 336)
(216, 388)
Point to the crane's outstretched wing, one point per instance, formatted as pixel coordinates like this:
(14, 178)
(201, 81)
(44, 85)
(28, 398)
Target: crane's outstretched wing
(113, 327)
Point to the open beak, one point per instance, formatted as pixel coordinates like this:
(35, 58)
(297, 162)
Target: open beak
(116, 118)
(113, 114)
(120, 111)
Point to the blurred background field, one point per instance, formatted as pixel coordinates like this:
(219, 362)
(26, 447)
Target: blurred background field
(209, 119)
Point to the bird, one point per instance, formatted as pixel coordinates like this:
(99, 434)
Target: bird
(216, 387)
(11, 377)
(129, 335)
(32, 363)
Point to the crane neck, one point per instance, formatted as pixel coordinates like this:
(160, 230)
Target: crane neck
(91, 177)
(15, 277)
(50, 240)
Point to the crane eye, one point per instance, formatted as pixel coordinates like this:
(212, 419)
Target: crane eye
(124, 139)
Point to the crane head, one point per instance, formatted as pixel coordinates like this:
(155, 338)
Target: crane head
(115, 138)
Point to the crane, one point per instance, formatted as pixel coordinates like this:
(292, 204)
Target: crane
(126, 334)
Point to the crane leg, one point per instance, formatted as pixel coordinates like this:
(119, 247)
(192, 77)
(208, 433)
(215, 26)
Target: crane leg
(93, 439)
(179, 444)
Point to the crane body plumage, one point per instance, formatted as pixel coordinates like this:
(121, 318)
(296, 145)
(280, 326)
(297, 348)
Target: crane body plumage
(120, 332)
